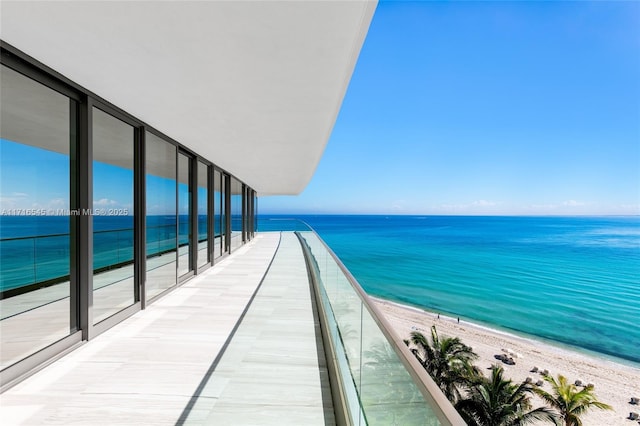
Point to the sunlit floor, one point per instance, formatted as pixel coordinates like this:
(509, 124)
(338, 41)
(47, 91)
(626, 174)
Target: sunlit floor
(174, 361)
(33, 320)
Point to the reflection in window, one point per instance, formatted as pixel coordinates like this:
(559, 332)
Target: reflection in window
(35, 169)
(218, 210)
(184, 215)
(113, 280)
(203, 211)
(162, 243)
(252, 212)
(236, 213)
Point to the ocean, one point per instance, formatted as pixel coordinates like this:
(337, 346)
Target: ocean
(572, 280)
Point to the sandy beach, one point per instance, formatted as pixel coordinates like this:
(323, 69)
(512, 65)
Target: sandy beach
(615, 383)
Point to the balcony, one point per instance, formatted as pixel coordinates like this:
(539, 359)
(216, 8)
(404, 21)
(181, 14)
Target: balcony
(276, 333)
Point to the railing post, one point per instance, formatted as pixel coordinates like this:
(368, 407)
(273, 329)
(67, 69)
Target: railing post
(35, 262)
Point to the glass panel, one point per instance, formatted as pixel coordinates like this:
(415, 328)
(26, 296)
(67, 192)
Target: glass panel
(379, 389)
(245, 213)
(387, 391)
(162, 241)
(184, 215)
(203, 214)
(35, 141)
(254, 216)
(236, 213)
(225, 214)
(113, 281)
(217, 214)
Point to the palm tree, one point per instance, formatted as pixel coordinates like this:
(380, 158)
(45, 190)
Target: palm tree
(446, 359)
(497, 401)
(570, 402)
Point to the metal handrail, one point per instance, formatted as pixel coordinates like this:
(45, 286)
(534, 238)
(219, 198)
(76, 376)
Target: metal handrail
(55, 279)
(104, 231)
(33, 237)
(339, 392)
(44, 281)
(441, 406)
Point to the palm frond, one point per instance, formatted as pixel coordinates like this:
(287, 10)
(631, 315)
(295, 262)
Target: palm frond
(568, 401)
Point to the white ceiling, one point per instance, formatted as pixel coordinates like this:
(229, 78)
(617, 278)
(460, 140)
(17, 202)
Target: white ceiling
(253, 86)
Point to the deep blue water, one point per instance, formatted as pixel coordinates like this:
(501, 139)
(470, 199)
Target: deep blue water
(573, 280)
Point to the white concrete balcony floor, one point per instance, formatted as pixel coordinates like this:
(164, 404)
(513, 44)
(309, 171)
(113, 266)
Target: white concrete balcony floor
(209, 352)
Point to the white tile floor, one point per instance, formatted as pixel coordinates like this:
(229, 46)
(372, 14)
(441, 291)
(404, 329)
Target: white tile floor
(46, 310)
(154, 366)
(271, 374)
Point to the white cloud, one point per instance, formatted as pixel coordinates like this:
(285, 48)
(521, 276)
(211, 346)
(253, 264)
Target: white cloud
(104, 202)
(15, 200)
(57, 202)
(543, 206)
(627, 209)
(478, 206)
(483, 203)
(573, 203)
(7, 202)
(398, 206)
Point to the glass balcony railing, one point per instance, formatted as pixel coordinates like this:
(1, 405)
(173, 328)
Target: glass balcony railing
(30, 260)
(44, 259)
(281, 224)
(378, 379)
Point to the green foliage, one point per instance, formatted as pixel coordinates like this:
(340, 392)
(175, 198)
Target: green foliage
(446, 359)
(570, 402)
(497, 401)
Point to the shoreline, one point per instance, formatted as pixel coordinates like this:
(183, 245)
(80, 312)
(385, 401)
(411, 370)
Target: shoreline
(615, 381)
(515, 334)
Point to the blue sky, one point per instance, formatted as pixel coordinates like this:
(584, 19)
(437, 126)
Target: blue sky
(487, 108)
(40, 180)
(517, 108)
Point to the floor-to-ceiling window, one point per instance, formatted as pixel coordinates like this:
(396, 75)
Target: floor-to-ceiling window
(236, 213)
(37, 137)
(218, 214)
(203, 214)
(71, 242)
(162, 220)
(113, 210)
(247, 212)
(254, 212)
(226, 215)
(253, 201)
(184, 215)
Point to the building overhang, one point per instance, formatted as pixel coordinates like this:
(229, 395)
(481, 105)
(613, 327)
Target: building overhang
(254, 87)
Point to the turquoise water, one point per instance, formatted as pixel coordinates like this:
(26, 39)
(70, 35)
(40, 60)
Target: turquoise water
(573, 280)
